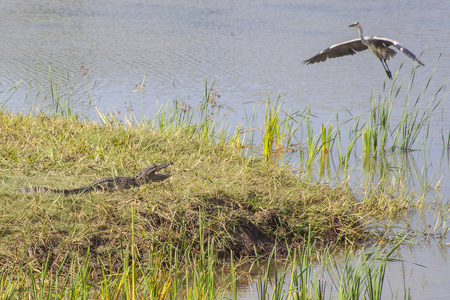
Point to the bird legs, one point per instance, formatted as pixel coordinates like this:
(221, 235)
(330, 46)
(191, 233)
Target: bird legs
(386, 68)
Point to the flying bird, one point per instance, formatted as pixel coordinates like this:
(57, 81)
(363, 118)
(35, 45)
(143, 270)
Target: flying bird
(377, 45)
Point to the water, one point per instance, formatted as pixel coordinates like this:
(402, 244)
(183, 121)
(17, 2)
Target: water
(250, 48)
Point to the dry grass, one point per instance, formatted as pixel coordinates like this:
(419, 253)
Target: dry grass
(215, 193)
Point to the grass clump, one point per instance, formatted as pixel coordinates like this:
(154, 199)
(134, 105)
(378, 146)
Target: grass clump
(242, 203)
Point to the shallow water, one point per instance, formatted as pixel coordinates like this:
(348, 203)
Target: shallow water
(250, 49)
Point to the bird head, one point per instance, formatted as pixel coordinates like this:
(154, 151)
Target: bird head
(356, 24)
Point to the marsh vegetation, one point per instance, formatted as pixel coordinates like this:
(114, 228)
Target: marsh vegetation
(279, 200)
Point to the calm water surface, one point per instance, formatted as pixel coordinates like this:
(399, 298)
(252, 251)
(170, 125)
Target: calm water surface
(251, 48)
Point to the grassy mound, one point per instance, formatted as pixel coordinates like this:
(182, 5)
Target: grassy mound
(216, 195)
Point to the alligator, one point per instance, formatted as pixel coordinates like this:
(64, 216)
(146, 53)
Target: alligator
(145, 176)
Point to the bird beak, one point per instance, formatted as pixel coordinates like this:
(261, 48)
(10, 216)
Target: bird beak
(353, 25)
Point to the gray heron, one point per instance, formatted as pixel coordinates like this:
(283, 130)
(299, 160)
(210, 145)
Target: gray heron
(377, 45)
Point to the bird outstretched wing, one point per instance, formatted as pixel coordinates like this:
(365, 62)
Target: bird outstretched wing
(338, 50)
(389, 42)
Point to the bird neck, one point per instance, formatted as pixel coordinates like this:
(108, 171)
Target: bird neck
(361, 36)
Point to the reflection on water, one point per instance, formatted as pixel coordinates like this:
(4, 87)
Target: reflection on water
(404, 277)
(105, 48)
